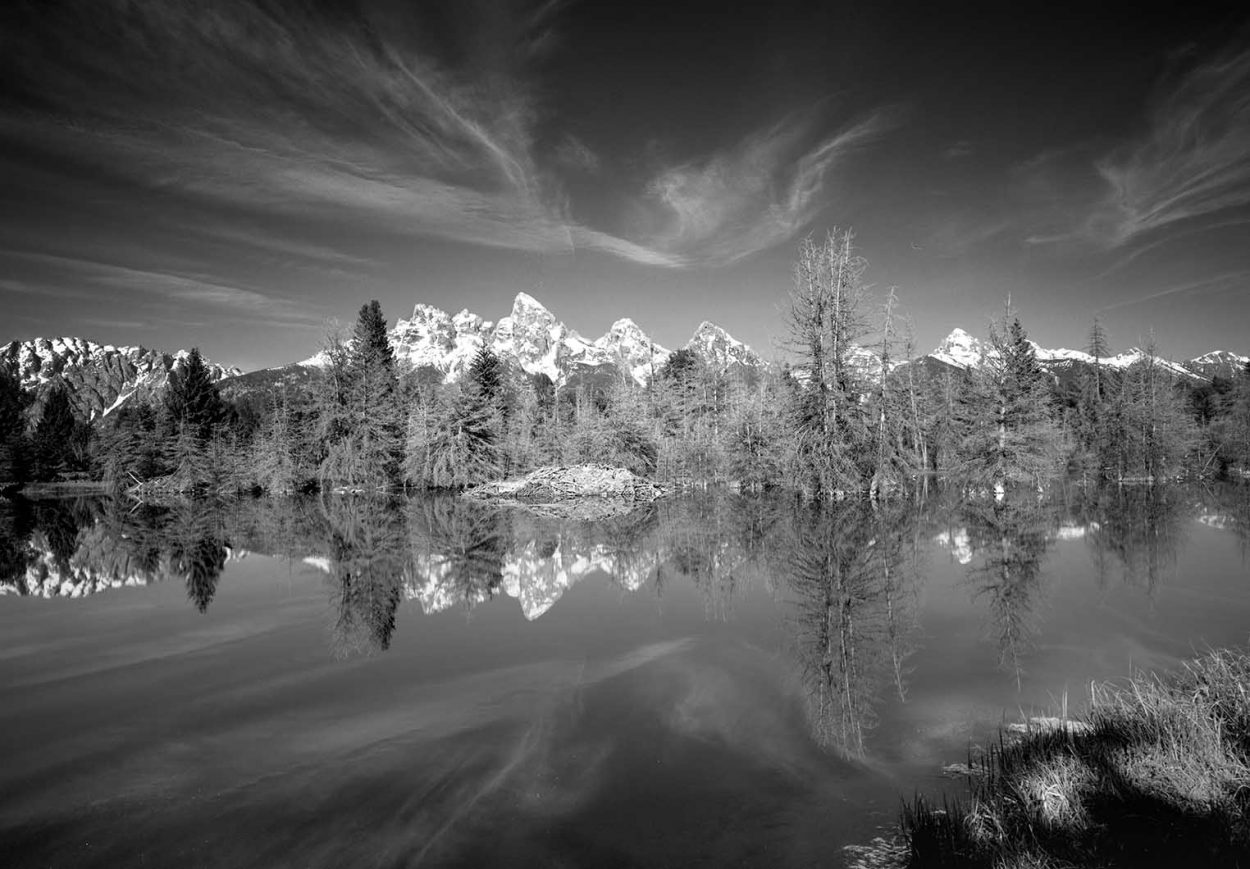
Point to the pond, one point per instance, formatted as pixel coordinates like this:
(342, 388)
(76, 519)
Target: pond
(712, 680)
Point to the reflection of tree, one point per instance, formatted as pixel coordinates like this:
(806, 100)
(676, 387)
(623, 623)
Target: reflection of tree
(15, 555)
(456, 549)
(1233, 500)
(1009, 540)
(59, 522)
(1139, 526)
(366, 558)
(699, 541)
(197, 551)
(854, 614)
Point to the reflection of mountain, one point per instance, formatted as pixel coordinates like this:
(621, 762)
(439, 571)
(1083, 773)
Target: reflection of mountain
(465, 553)
(78, 548)
(843, 569)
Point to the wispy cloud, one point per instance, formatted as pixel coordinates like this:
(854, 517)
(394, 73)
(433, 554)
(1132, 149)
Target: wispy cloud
(755, 195)
(1214, 284)
(1194, 159)
(195, 290)
(1184, 172)
(279, 108)
(272, 108)
(575, 154)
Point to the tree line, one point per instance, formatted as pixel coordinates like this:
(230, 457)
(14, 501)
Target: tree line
(847, 416)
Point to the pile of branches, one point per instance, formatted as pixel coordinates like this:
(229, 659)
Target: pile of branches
(553, 484)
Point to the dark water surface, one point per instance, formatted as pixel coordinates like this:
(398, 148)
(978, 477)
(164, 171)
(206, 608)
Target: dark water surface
(715, 680)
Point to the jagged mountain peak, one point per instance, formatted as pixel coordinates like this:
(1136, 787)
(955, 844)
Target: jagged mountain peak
(720, 349)
(99, 377)
(533, 339)
(960, 349)
(525, 302)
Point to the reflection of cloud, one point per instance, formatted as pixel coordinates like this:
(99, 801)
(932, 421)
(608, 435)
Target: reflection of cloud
(755, 195)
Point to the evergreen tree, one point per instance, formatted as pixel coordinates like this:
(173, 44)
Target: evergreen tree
(193, 399)
(486, 372)
(274, 462)
(1232, 427)
(1008, 436)
(360, 415)
(1150, 434)
(1094, 393)
(54, 436)
(13, 448)
(457, 444)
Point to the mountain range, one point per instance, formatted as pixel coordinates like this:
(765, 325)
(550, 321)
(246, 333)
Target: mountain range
(98, 377)
(531, 338)
(101, 377)
(962, 351)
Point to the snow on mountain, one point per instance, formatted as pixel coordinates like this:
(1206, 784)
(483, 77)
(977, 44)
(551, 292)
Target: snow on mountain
(632, 350)
(721, 350)
(532, 338)
(960, 350)
(537, 577)
(1223, 363)
(963, 351)
(99, 377)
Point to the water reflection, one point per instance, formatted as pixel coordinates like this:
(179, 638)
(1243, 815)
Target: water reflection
(1008, 540)
(1140, 530)
(846, 578)
(854, 614)
(366, 539)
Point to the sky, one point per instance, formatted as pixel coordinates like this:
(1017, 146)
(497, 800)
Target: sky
(242, 176)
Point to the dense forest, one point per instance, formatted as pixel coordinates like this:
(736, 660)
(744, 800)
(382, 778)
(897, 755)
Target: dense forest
(842, 418)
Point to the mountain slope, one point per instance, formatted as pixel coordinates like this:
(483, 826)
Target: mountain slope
(98, 377)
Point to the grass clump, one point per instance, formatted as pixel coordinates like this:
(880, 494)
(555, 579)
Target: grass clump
(1157, 775)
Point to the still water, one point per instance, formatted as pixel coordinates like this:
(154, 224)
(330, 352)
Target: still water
(713, 680)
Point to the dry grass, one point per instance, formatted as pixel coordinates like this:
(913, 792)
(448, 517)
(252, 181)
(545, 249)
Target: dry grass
(1159, 777)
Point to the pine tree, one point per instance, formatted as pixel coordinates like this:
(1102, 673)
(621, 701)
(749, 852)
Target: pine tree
(1008, 436)
(54, 436)
(193, 399)
(1233, 426)
(13, 448)
(486, 372)
(360, 418)
(461, 446)
(1151, 434)
(274, 464)
(1094, 394)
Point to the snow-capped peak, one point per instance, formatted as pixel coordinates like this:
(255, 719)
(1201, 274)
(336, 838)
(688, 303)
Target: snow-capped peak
(960, 350)
(99, 377)
(533, 340)
(632, 350)
(526, 302)
(720, 349)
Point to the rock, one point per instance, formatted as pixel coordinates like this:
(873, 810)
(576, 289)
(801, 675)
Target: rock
(554, 484)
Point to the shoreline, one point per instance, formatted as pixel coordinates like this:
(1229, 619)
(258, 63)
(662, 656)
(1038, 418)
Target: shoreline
(1156, 772)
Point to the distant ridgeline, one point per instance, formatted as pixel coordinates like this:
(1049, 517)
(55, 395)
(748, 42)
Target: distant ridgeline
(443, 401)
